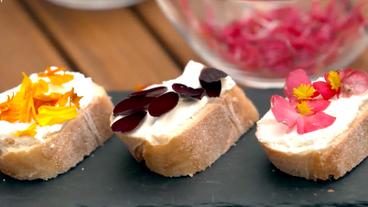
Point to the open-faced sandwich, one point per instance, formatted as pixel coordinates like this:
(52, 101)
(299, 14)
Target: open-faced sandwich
(50, 122)
(182, 126)
(320, 129)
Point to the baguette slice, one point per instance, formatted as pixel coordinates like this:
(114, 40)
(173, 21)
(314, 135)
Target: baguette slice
(319, 129)
(201, 140)
(344, 153)
(26, 158)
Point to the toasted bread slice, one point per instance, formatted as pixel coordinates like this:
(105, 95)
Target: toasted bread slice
(201, 140)
(26, 158)
(341, 155)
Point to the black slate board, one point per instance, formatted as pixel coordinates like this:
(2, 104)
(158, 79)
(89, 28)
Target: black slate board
(241, 177)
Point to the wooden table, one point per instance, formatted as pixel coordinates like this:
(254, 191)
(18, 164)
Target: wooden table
(119, 48)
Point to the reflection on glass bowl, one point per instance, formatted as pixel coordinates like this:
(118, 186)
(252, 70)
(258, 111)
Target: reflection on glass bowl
(95, 4)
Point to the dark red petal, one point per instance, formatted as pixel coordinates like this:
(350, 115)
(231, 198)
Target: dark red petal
(132, 104)
(284, 111)
(294, 79)
(324, 89)
(210, 75)
(186, 91)
(163, 104)
(353, 82)
(128, 123)
(212, 89)
(152, 92)
(314, 122)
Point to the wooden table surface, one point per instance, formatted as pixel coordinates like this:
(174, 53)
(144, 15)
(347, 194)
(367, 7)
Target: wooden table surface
(119, 48)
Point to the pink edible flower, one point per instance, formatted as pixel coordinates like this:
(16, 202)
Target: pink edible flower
(300, 108)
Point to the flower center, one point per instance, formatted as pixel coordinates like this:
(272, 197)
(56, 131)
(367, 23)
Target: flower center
(304, 91)
(334, 80)
(303, 108)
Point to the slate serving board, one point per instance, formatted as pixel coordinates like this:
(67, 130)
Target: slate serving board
(241, 177)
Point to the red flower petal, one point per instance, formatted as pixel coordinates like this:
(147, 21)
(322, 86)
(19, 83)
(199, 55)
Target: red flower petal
(314, 122)
(318, 105)
(354, 82)
(294, 79)
(284, 111)
(324, 89)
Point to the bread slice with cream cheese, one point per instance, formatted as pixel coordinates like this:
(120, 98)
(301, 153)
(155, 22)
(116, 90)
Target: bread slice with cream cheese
(330, 151)
(195, 133)
(43, 152)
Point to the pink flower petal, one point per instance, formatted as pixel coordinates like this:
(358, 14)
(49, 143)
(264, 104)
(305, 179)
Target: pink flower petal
(314, 122)
(294, 79)
(284, 111)
(318, 105)
(324, 89)
(354, 82)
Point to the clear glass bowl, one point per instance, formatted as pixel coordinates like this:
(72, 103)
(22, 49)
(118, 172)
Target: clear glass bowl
(259, 41)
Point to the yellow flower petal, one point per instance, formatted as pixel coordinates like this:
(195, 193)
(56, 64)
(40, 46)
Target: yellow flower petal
(60, 79)
(49, 115)
(30, 131)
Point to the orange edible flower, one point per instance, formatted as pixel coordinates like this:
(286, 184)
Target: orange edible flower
(55, 78)
(49, 115)
(70, 97)
(60, 79)
(30, 131)
(33, 103)
(6, 105)
(52, 70)
(20, 107)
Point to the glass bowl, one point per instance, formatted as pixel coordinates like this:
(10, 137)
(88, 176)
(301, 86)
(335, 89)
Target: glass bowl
(259, 41)
(95, 4)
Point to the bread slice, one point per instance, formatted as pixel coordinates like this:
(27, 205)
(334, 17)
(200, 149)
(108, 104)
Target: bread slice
(201, 140)
(344, 153)
(26, 158)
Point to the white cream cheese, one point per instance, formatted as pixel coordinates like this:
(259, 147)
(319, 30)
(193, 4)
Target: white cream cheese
(82, 86)
(276, 135)
(165, 126)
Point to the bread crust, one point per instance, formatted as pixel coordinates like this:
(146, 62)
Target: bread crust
(344, 153)
(61, 150)
(208, 135)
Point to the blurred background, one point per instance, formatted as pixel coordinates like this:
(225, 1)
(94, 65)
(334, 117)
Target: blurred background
(120, 48)
(124, 44)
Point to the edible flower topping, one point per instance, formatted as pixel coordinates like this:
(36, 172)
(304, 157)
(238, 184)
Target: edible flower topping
(49, 115)
(305, 101)
(34, 103)
(56, 78)
(30, 131)
(354, 82)
(298, 86)
(303, 108)
(307, 119)
(334, 80)
(304, 91)
(158, 100)
(331, 86)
